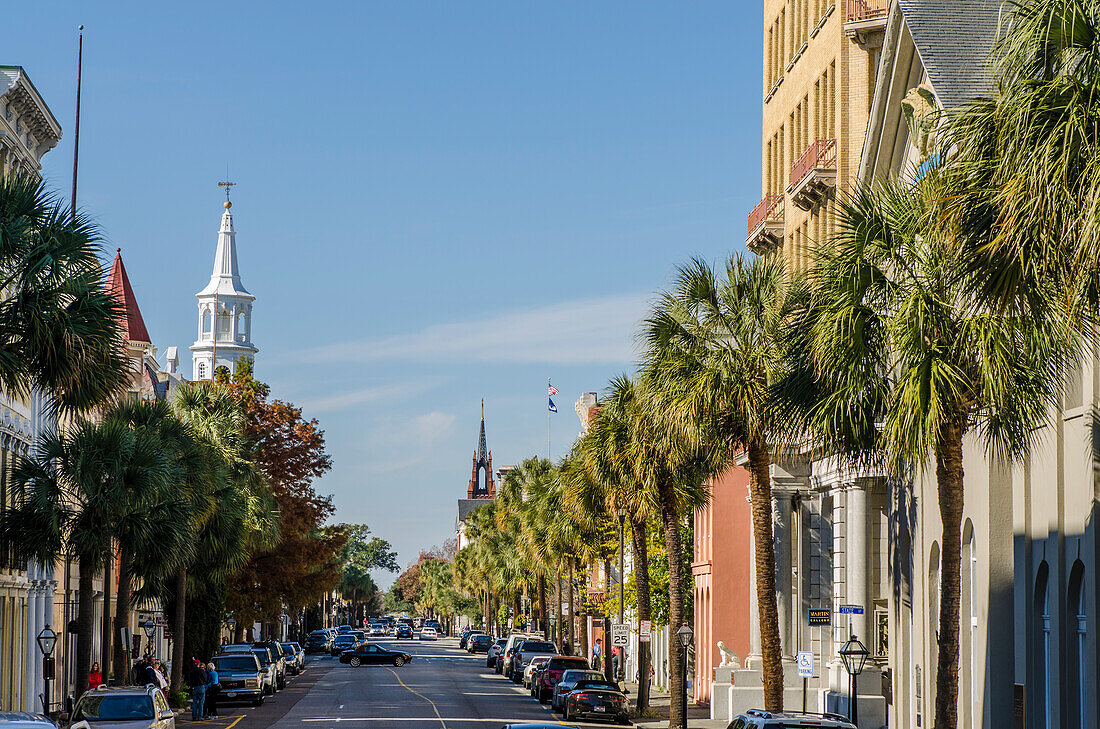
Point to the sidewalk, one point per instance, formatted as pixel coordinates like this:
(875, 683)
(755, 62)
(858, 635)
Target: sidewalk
(698, 716)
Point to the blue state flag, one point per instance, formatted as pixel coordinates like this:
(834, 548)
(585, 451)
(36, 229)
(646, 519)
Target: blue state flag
(553, 407)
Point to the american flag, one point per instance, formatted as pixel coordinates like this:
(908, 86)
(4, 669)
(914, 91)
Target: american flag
(553, 390)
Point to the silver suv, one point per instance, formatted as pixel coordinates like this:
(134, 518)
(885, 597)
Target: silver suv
(129, 707)
(760, 719)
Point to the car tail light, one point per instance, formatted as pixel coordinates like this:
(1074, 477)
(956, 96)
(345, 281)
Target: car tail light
(582, 697)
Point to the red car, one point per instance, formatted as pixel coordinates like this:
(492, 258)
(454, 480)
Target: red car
(549, 676)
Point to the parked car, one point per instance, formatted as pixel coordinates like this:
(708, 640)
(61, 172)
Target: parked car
(505, 659)
(536, 664)
(241, 678)
(758, 718)
(464, 638)
(129, 707)
(479, 643)
(25, 720)
(524, 652)
(403, 631)
(372, 653)
(596, 698)
(270, 683)
(566, 682)
(295, 657)
(343, 642)
(345, 628)
(278, 658)
(319, 641)
(429, 633)
(493, 654)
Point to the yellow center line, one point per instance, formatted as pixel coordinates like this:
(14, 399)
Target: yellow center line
(414, 691)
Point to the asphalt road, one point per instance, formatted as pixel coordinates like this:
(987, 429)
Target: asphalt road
(441, 688)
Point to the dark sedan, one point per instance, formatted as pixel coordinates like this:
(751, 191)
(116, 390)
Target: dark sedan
(369, 653)
(343, 642)
(403, 631)
(596, 699)
(480, 643)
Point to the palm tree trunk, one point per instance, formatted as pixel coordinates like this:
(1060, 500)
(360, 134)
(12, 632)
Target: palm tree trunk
(106, 633)
(645, 607)
(557, 606)
(670, 520)
(582, 587)
(85, 624)
(949, 483)
(544, 622)
(177, 629)
(608, 664)
(572, 612)
(760, 489)
(122, 614)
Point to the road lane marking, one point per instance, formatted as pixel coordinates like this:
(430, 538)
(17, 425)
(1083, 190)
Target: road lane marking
(414, 691)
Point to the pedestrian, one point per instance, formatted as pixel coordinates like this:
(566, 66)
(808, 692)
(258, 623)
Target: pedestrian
(162, 679)
(95, 677)
(616, 661)
(566, 649)
(148, 673)
(196, 679)
(213, 688)
(597, 655)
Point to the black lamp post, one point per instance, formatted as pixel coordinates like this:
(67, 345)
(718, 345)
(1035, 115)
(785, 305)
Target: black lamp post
(150, 629)
(854, 654)
(685, 635)
(47, 640)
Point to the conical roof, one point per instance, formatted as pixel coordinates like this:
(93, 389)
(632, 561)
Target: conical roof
(118, 285)
(225, 280)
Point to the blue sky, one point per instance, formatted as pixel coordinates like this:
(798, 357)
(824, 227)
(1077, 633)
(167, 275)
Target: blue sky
(436, 201)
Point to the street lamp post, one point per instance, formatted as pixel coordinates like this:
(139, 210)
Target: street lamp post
(622, 579)
(150, 629)
(854, 654)
(685, 634)
(47, 639)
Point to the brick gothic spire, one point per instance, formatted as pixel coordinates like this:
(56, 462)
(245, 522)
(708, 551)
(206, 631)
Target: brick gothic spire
(482, 459)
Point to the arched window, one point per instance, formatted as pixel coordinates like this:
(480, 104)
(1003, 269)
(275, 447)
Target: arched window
(1077, 621)
(969, 629)
(933, 622)
(1042, 697)
(240, 326)
(206, 322)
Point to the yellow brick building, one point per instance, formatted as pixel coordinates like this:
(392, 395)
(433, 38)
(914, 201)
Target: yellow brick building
(820, 59)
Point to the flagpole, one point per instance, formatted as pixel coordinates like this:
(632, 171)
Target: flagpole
(76, 129)
(548, 422)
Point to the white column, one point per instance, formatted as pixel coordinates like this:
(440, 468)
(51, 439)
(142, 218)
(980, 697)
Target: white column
(33, 662)
(755, 658)
(857, 559)
(781, 521)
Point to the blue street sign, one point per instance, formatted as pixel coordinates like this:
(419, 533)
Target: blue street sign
(850, 610)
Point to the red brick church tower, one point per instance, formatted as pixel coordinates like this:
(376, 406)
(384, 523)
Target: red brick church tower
(481, 473)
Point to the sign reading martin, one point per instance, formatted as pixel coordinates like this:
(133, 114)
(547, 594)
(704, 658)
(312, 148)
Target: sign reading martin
(818, 616)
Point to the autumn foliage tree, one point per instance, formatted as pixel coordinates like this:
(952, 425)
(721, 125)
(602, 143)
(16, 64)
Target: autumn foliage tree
(290, 451)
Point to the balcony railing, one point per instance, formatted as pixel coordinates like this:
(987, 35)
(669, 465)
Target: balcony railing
(860, 10)
(770, 208)
(820, 154)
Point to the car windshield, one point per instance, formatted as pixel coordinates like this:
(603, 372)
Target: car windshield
(262, 655)
(236, 663)
(483, 639)
(114, 708)
(596, 686)
(290, 647)
(538, 646)
(558, 664)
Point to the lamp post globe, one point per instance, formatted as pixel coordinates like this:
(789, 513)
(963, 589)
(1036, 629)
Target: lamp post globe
(150, 629)
(47, 639)
(684, 635)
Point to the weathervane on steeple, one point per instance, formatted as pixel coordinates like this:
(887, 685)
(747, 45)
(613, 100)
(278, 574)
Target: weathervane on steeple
(227, 185)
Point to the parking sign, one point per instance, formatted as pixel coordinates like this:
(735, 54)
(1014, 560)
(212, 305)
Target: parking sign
(805, 664)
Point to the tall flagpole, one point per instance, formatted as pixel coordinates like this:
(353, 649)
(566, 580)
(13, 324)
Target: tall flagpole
(76, 127)
(548, 419)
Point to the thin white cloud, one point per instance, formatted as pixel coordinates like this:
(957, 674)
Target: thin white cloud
(355, 398)
(585, 331)
(408, 441)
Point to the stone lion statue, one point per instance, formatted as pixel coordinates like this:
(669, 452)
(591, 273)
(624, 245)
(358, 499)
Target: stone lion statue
(729, 658)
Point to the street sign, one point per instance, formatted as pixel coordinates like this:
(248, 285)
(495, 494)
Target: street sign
(818, 616)
(565, 608)
(850, 610)
(620, 634)
(643, 632)
(805, 662)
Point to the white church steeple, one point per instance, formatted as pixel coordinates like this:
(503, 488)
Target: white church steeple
(225, 308)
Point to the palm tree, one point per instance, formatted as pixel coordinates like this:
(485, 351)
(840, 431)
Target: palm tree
(906, 361)
(714, 348)
(1023, 177)
(152, 534)
(613, 457)
(59, 330)
(73, 492)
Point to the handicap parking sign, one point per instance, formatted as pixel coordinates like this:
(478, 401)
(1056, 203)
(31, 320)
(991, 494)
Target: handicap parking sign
(805, 662)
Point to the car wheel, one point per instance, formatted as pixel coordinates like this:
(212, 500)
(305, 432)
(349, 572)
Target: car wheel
(542, 697)
(399, 661)
(355, 662)
(258, 702)
(565, 712)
